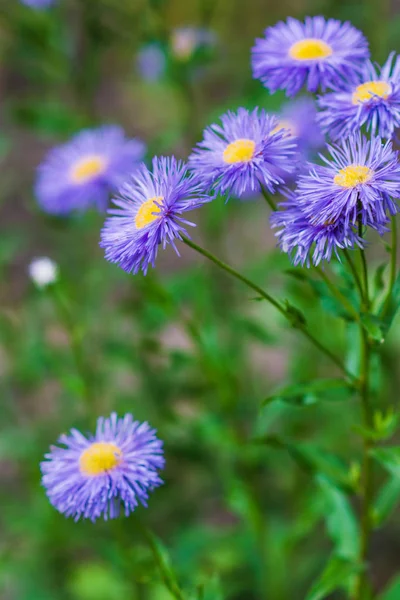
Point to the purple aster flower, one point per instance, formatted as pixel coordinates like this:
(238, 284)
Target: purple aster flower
(151, 62)
(361, 181)
(373, 100)
(37, 3)
(314, 53)
(306, 241)
(246, 151)
(299, 117)
(149, 213)
(82, 172)
(92, 476)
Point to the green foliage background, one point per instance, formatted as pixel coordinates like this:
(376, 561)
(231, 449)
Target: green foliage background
(254, 495)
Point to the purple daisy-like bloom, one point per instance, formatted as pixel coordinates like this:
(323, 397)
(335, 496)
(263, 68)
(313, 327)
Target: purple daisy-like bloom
(299, 117)
(314, 53)
(82, 172)
(361, 181)
(373, 100)
(93, 476)
(149, 213)
(307, 242)
(151, 62)
(247, 151)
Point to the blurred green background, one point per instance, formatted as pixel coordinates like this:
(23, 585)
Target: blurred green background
(184, 348)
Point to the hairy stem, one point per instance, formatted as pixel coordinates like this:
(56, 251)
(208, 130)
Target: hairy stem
(298, 325)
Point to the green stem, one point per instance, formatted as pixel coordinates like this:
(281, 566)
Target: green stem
(354, 271)
(393, 264)
(298, 325)
(338, 295)
(269, 200)
(75, 344)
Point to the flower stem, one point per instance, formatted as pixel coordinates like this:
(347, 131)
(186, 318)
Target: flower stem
(298, 324)
(393, 264)
(269, 200)
(354, 271)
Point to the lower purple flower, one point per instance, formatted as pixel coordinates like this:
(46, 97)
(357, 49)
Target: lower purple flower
(93, 476)
(149, 213)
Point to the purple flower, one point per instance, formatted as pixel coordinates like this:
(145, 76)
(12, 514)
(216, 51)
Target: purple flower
(245, 152)
(373, 100)
(37, 3)
(151, 62)
(360, 181)
(299, 117)
(307, 242)
(82, 172)
(92, 476)
(314, 53)
(149, 213)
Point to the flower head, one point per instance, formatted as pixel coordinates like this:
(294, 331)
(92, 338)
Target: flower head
(185, 41)
(82, 172)
(299, 117)
(307, 242)
(151, 62)
(247, 151)
(360, 181)
(372, 100)
(150, 212)
(314, 53)
(37, 3)
(92, 476)
(43, 271)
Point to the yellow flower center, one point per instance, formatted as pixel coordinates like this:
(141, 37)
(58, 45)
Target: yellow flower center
(310, 49)
(148, 212)
(371, 90)
(88, 168)
(285, 124)
(353, 175)
(99, 458)
(239, 151)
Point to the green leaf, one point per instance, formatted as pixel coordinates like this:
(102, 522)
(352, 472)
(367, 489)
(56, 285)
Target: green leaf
(340, 521)
(379, 282)
(373, 326)
(336, 575)
(389, 458)
(393, 590)
(296, 316)
(386, 501)
(310, 392)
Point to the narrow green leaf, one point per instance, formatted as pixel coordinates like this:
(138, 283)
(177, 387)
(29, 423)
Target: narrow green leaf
(310, 392)
(335, 576)
(386, 501)
(340, 521)
(373, 326)
(392, 592)
(389, 458)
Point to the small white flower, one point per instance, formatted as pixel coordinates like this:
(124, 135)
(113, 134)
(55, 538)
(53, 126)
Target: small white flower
(43, 271)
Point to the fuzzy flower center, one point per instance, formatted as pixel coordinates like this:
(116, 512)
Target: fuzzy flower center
(353, 175)
(310, 49)
(99, 458)
(239, 151)
(148, 212)
(371, 90)
(87, 168)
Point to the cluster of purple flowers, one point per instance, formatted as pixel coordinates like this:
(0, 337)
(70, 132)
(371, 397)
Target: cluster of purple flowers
(325, 211)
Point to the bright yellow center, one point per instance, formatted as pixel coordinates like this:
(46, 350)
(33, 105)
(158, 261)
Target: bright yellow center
(285, 124)
(371, 90)
(99, 458)
(147, 212)
(88, 168)
(310, 49)
(353, 175)
(239, 151)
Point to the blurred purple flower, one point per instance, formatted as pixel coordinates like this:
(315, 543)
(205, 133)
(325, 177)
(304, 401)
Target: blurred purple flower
(151, 62)
(37, 3)
(243, 153)
(92, 476)
(82, 172)
(299, 117)
(150, 212)
(314, 53)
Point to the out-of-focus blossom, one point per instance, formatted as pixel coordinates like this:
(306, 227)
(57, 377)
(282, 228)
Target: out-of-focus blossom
(43, 271)
(299, 118)
(37, 3)
(82, 172)
(151, 62)
(185, 41)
